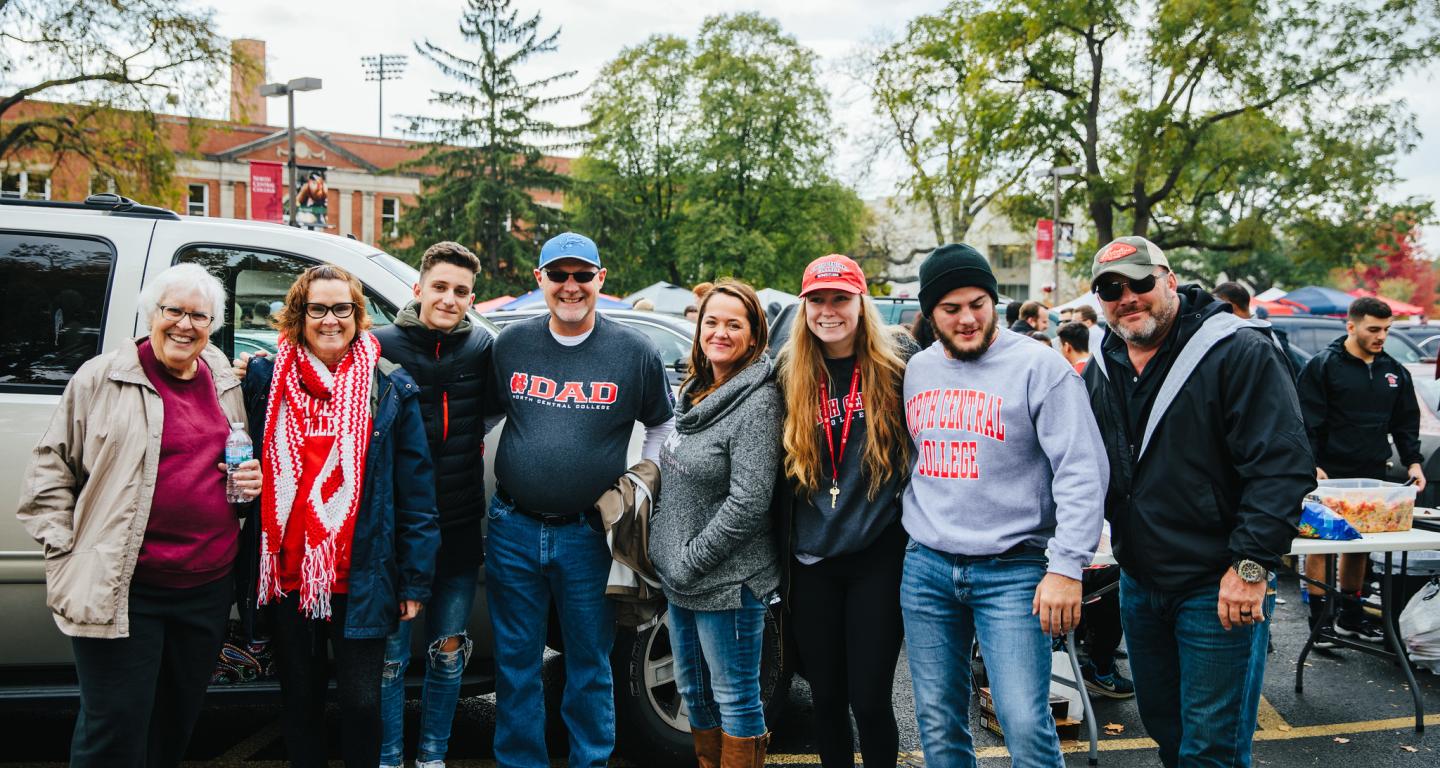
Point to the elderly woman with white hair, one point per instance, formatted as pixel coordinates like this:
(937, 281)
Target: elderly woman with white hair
(126, 493)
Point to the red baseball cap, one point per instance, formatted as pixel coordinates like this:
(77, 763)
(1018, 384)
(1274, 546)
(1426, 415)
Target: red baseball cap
(836, 271)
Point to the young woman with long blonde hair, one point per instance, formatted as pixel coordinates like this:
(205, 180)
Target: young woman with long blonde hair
(846, 463)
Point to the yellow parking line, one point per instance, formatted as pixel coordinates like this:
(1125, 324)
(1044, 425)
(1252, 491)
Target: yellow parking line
(1338, 729)
(1296, 732)
(1270, 720)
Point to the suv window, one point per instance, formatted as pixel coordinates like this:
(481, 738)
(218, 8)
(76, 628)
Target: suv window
(255, 284)
(53, 292)
(672, 347)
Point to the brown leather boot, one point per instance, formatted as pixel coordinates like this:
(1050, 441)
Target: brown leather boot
(707, 747)
(747, 752)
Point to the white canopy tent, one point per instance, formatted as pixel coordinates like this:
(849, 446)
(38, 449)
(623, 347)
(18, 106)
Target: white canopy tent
(667, 297)
(1087, 298)
(768, 295)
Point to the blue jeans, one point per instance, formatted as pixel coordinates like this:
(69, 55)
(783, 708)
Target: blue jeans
(717, 665)
(948, 601)
(528, 564)
(1197, 685)
(445, 616)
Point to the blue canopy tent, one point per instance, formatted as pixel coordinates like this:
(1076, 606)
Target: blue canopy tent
(536, 299)
(1318, 300)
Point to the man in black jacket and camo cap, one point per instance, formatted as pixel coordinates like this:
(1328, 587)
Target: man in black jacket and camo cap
(1209, 462)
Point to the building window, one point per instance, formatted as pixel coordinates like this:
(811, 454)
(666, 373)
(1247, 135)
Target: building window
(390, 216)
(198, 202)
(26, 184)
(1009, 256)
(101, 184)
(1016, 291)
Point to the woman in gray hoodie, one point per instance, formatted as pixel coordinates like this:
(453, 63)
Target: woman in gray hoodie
(710, 539)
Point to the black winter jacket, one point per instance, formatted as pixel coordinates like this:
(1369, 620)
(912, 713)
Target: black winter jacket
(1222, 464)
(450, 369)
(1350, 407)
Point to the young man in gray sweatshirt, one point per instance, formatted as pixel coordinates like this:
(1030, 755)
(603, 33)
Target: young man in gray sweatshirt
(1004, 509)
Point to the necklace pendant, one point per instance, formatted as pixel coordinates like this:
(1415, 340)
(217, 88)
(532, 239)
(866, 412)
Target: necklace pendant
(834, 496)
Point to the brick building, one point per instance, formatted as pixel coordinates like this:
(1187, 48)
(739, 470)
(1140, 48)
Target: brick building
(366, 195)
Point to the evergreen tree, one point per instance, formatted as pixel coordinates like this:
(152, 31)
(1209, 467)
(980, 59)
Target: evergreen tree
(489, 155)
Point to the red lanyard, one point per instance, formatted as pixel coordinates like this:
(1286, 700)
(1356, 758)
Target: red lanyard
(844, 431)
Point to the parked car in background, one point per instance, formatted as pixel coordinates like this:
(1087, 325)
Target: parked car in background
(897, 310)
(670, 334)
(1308, 334)
(1426, 337)
(70, 274)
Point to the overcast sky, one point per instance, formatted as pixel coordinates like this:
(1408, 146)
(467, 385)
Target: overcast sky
(326, 38)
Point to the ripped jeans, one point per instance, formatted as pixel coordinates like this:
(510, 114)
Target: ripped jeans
(445, 616)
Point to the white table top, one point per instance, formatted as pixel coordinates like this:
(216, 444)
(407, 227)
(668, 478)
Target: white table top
(1399, 541)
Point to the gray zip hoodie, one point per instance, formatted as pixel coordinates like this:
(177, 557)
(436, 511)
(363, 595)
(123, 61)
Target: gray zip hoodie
(711, 533)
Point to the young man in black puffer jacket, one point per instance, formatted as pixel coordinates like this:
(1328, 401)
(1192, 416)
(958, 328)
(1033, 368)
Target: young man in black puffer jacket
(434, 340)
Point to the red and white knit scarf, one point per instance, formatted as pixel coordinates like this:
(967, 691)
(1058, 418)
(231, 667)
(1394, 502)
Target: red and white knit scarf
(300, 380)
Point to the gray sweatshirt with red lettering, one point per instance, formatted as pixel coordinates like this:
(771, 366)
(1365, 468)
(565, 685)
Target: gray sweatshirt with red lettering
(1006, 453)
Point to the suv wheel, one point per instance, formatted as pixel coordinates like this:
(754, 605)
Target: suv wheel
(652, 720)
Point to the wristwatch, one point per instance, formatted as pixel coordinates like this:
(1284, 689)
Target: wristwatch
(1249, 571)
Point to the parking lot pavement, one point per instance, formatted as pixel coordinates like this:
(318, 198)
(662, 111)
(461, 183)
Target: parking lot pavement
(1355, 713)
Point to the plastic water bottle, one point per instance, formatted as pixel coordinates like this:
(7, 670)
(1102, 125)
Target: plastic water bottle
(238, 450)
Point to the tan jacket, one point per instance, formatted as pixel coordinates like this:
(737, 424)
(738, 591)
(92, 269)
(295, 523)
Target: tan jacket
(90, 481)
(625, 510)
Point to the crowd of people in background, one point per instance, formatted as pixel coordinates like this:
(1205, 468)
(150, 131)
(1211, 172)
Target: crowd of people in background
(944, 488)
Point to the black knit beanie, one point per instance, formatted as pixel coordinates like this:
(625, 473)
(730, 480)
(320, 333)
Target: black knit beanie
(952, 266)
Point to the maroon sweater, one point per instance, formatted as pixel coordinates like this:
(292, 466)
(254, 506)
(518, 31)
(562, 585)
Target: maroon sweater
(193, 533)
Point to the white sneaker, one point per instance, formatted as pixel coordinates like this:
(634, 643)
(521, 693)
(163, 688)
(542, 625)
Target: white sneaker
(429, 764)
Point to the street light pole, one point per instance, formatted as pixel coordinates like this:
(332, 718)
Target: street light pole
(288, 91)
(1055, 172)
(290, 155)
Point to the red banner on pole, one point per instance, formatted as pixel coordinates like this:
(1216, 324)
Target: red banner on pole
(1044, 240)
(267, 191)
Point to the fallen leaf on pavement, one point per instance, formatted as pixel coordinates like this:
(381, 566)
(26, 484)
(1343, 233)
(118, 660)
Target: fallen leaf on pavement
(1114, 729)
(1341, 740)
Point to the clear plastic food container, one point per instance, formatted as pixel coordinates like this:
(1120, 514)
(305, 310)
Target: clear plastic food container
(1372, 506)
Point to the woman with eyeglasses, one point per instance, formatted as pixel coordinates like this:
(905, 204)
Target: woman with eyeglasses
(126, 492)
(347, 533)
(846, 463)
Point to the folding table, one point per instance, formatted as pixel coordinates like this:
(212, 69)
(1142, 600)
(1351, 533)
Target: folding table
(1389, 544)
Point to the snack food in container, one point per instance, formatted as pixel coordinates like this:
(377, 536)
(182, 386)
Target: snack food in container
(1372, 506)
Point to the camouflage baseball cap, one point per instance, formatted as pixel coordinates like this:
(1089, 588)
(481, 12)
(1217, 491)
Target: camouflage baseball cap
(1133, 256)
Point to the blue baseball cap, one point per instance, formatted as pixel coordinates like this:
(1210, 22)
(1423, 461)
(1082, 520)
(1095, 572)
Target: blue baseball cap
(570, 246)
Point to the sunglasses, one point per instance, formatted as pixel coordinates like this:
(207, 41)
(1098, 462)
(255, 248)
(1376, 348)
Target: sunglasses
(1112, 290)
(560, 276)
(341, 311)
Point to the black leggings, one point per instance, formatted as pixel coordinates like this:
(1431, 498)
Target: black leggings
(303, 666)
(845, 617)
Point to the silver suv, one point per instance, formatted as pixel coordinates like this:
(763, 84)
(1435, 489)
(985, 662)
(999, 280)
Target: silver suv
(70, 274)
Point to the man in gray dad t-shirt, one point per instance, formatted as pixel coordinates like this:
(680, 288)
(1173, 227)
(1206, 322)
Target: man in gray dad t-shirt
(571, 385)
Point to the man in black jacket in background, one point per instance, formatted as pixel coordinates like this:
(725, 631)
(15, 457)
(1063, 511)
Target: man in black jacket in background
(1208, 465)
(449, 357)
(1353, 395)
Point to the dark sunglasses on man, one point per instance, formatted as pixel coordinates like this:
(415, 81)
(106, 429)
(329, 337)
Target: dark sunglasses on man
(1112, 290)
(560, 276)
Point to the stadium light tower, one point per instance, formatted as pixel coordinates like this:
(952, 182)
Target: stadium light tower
(382, 67)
